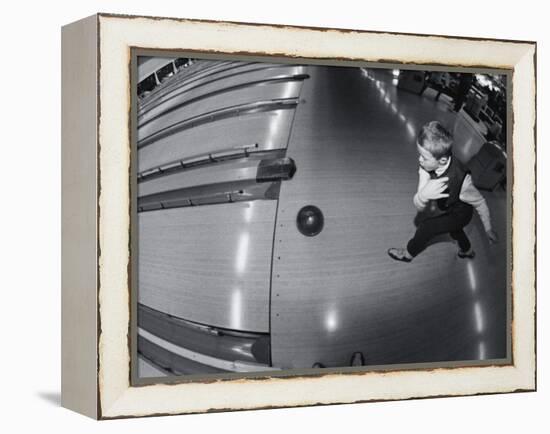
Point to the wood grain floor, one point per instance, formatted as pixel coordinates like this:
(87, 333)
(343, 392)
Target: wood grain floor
(245, 266)
(337, 293)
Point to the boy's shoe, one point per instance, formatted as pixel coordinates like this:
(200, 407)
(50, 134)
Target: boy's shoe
(357, 359)
(399, 254)
(470, 254)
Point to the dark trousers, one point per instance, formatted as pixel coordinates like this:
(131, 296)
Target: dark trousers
(451, 223)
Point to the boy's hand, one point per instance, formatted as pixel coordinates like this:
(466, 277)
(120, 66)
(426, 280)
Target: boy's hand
(434, 189)
(492, 235)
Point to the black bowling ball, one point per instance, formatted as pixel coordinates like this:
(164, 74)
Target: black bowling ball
(310, 221)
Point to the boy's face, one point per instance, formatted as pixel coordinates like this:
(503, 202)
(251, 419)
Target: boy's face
(427, 161)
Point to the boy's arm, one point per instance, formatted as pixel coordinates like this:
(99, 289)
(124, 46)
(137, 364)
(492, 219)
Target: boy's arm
(423, 178)
(470, 194)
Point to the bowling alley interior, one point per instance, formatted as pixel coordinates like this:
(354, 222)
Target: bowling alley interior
(275, 203)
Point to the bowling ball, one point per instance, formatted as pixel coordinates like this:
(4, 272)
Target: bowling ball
(310, 221)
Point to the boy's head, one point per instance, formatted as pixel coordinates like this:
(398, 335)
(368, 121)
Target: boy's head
(435, 145)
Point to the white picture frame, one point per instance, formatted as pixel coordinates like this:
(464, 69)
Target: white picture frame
(97, 281)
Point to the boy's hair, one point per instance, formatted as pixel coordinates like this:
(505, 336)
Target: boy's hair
(436, 139)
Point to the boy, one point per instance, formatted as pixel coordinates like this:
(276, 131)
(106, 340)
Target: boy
(445, 197)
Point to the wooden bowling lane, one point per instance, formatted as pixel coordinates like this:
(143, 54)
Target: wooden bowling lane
(218, 84)
(150, 132)
(244, 169)
(208, 264)
(336, 293)
(192, 77)
(268, 129)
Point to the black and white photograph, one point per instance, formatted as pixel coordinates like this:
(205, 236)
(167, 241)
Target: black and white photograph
(309, 218)
(278, 217)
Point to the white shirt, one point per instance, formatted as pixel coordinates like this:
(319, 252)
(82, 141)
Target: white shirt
(468, 194)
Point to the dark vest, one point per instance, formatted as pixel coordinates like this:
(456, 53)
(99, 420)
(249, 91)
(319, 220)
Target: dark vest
(456, 172)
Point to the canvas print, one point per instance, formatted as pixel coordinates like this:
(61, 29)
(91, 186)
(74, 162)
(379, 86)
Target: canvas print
(295, 216)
